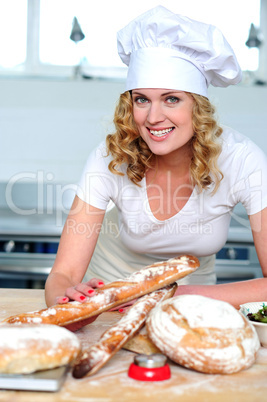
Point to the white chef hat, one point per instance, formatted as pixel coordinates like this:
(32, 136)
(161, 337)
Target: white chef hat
(170, 51)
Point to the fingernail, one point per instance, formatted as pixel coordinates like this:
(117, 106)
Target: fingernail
(64, 299)
(100, 283)
(91, 291)
(121, 310)
(82, 297)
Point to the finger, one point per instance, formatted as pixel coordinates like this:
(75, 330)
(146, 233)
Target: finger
(73, 294)
(62, 299)
(85, 289)
(95, 283)
(123, 310)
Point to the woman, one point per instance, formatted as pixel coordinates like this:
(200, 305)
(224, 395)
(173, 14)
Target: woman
(173, 174)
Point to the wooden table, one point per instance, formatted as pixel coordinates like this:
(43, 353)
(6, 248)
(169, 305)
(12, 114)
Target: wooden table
(112, 383)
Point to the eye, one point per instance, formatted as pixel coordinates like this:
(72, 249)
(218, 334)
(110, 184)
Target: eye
(172, 99)
(140, 100)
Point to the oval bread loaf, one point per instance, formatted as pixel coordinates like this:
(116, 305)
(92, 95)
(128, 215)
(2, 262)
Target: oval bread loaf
(203, 334)
(29, 348)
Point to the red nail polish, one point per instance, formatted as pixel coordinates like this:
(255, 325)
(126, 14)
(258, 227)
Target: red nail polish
(82, 297)
(91, 291)
(121, 310)
(100, 283)
(64, 299)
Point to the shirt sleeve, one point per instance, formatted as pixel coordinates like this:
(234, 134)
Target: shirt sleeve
(250, 187)
(95, 185)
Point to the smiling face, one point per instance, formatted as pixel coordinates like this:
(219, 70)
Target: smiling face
(164, 119)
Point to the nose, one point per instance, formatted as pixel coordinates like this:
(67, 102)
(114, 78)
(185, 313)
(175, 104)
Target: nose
(155, 113)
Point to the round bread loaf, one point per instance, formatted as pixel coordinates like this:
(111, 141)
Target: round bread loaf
(28, 348)
(203, 334)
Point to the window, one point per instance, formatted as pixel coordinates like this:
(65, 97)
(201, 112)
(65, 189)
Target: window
(51, 52)
(13, 33)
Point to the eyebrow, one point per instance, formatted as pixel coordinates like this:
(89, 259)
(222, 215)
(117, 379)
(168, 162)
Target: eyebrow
(164, 94)
(171, 92)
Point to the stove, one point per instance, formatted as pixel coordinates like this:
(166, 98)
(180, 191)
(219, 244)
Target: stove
(30, 231)
(238, 259)
(28, 246)
(31, 222)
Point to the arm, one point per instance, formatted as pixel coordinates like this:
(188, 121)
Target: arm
(240, 292)
(235, 293)
(75, 250)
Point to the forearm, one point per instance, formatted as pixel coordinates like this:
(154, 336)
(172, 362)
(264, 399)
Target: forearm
(55, 286)
(74, 254)
(235, 293)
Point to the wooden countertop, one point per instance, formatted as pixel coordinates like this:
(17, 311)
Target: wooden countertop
(112, 383)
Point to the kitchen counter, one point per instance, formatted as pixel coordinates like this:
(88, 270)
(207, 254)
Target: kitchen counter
(111, 383)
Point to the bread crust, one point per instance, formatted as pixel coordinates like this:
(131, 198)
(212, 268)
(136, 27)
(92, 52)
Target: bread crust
(141, 343)
(33, 348)
(145, 281)
(112, 340)
(203, 334)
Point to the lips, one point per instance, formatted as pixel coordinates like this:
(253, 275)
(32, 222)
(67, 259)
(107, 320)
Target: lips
(160, 133)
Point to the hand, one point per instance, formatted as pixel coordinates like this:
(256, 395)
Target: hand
(80, 292)
(122, 308)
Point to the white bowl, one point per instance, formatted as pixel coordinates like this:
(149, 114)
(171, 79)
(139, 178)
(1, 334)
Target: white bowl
(260, 327)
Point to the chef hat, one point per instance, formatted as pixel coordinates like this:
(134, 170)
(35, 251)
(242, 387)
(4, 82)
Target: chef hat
(166, 50)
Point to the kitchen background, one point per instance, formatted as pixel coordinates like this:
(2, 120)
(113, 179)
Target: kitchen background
(48, 127)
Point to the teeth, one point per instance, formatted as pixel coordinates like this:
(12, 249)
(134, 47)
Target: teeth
(160, 133)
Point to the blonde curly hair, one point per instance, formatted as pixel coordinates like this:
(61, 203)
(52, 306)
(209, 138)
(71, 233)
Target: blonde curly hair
(127, 146)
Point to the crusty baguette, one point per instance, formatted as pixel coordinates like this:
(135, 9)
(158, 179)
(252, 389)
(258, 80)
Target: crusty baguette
(145, 281)
(93, 358)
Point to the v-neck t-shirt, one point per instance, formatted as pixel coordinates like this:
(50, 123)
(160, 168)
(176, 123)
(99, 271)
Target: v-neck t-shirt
(201, 226)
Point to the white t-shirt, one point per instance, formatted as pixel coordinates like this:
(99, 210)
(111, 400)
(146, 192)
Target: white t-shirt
(201, 227)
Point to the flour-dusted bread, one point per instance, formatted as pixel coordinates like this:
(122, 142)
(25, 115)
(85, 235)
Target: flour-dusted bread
(141, 344)
(203, 334)
(29, 348)
(147, 280)
(112, 340)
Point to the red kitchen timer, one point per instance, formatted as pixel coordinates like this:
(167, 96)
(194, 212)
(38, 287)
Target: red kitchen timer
(152, 367)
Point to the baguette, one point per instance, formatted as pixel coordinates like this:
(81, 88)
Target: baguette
(145, 281)
(113, 339)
